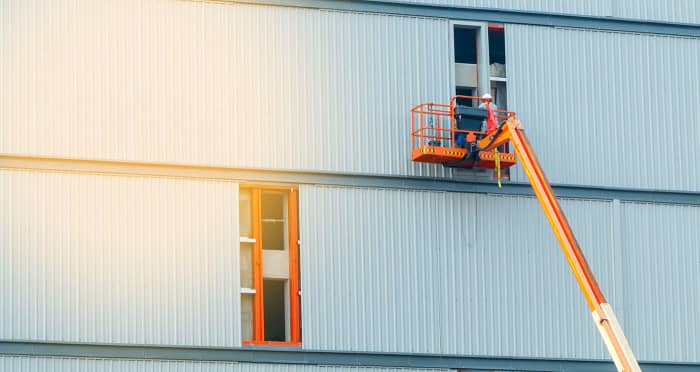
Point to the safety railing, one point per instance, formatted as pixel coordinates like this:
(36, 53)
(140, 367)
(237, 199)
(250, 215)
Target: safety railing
(433, 124)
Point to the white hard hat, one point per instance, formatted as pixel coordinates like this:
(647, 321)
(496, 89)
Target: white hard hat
(487, 96)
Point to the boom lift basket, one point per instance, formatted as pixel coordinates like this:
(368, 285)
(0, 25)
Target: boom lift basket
(440, 133)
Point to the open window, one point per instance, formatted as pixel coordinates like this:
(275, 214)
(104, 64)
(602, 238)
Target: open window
(479, 67)
(270, 303)
(466, 62)
(497, 66)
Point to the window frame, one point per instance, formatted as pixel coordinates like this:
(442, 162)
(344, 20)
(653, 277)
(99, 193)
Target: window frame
(293, 246)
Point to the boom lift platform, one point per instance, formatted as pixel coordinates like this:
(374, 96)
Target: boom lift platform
(452, 135)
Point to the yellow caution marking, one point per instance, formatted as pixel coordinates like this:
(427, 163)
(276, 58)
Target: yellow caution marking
(498, 167)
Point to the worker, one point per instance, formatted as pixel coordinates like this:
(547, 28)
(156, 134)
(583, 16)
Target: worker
(489, 125)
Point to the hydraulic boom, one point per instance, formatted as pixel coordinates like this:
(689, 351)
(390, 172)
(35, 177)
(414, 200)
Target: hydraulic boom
(603, 315)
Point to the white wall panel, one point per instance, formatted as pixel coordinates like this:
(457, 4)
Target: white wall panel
(117, 259)
(303, 89)
(678, 11)
(427, 272)
(217, 84)
(608, 109)
(660, 271)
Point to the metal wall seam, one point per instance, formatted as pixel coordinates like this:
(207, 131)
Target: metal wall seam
(218, 84)
(118, 259)
(427, 272)
(52, 364)
(677, 11)
(593, 122)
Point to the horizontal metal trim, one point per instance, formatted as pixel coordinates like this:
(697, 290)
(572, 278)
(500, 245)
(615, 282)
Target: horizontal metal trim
(334, 179)
(493, 15)
(286, 355)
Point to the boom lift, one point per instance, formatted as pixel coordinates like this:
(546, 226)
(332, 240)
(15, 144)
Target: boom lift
(451, 135)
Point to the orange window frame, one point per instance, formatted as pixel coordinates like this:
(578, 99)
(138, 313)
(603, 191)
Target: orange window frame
(293, 236)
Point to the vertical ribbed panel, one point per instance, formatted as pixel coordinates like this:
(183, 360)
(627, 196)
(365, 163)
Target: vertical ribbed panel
(369, 267)
(113, 259)
(679, 11)
(218, 84)
(388, 270)
(50, 364)
(510, 290)
(661, 286)
(583, 7)
(608, 109)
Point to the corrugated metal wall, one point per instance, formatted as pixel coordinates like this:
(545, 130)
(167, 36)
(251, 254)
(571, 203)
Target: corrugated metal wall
(304, 89)
(428, 272)
(662, 244)
(217, 84)
(48, 364)
(679, 11)
(115, 259)
(608, 109)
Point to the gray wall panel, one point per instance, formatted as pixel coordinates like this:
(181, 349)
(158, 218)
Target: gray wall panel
(218, 84)
(445, 272)
(304, 89)
(481, 275)
(678, 11)
(49, 364)
(662, 262)
(608, 109)
(115, 259)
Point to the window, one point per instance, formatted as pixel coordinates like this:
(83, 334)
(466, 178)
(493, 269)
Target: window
(479, 67)
(270, 306)
(466, 61)
(497, 66)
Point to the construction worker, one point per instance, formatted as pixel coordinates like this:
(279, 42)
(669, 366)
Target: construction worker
(489, 125)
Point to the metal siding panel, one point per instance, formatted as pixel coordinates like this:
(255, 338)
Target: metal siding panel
(218, 84)
(662, 261)
(595, 7)
(591, 104)
(451, 273)
(116, 259)
(363, 279)
(678, 11)
(51, 364)
(514, 272)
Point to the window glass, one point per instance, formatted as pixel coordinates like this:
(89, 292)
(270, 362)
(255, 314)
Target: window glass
(247, 265)
(247, 316)
(244, 213)
(273, 221)
(274, 310)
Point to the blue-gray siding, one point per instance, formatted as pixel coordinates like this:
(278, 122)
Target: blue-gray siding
(677, 11)
(476, 274)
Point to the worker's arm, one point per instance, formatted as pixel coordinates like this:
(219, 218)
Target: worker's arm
(603, 315)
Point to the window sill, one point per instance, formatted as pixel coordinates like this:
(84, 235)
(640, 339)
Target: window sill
(271, 343)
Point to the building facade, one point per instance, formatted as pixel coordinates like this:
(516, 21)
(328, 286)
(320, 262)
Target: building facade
(225, 185)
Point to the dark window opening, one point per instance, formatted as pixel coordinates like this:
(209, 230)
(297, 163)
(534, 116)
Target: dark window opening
(274, 310)
(465, 45)
(465, 92)
(497, 46)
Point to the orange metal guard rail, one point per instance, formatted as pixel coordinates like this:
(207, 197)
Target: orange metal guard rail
(603, 315)
(441, 122)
